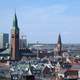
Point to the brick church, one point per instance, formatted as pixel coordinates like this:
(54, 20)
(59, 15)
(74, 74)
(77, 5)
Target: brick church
(16, 52)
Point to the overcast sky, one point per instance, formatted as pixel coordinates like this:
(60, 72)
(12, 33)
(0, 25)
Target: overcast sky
(43, 20)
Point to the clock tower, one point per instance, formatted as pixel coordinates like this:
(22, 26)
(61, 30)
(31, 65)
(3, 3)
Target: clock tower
(15, 55)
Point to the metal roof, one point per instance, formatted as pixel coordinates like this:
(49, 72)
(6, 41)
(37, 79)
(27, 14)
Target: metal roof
(7, 51)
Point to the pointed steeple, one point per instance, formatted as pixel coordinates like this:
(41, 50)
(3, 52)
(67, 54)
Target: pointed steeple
(59, 45)
(59, 39)
(15, 21)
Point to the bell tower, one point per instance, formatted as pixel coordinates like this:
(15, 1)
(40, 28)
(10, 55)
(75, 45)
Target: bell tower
(15, 40)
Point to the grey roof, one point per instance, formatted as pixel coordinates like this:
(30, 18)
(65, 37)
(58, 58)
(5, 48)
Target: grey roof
(7, 51)
(42, 46)
(26, 54)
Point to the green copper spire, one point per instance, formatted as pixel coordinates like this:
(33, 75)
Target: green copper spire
(15, 22)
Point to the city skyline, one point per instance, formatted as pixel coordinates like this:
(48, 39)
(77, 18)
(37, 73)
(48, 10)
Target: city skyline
(42, 20)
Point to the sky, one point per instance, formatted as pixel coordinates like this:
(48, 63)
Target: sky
(43, 20)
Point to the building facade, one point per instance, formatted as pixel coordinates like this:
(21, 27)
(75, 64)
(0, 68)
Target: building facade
(22, 43)
(4, 40)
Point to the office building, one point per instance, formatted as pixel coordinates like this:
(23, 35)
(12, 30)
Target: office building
(4, 40)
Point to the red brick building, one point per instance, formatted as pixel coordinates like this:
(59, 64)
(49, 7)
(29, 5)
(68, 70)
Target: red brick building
(15, 40)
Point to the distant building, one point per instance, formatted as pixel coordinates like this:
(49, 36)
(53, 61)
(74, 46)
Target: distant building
(22, 43)
(58, 48)
(59, 45)
(4, 40)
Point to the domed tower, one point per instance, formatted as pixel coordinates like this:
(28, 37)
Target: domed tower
(15, 40)
(59, 45)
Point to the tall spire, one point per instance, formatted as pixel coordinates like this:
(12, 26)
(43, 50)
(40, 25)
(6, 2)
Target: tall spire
(15, 22)
(59, 45)
(59, 39)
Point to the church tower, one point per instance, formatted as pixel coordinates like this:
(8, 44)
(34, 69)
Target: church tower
(59, 45)
(15, 40)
